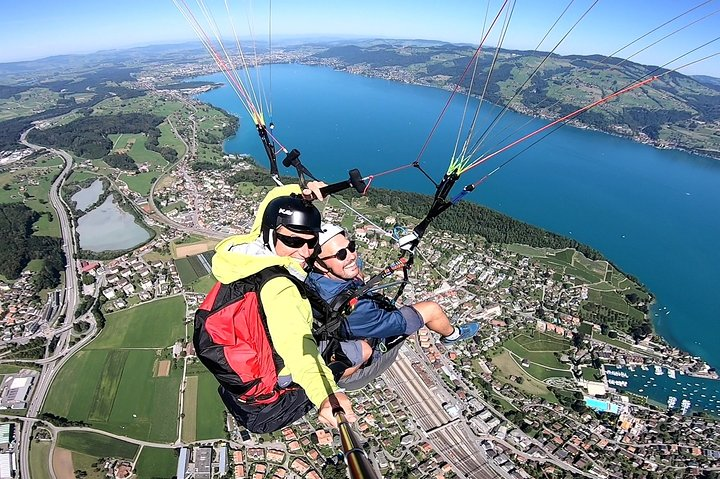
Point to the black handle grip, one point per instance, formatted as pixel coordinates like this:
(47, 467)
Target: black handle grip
(355, 181)
(291, 158)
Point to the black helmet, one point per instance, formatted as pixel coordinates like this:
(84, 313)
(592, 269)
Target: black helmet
(293, 212)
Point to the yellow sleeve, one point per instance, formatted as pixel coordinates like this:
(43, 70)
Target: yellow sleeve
(289, 319)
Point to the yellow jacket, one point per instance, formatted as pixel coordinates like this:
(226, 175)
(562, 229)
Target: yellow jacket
(289, 315)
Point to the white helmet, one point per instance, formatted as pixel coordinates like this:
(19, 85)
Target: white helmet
(328, 231)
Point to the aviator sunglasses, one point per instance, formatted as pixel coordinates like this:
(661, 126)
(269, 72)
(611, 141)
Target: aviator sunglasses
(296, 241)
(341, 254)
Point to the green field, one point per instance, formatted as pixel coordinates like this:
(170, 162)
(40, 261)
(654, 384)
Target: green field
(142, 406)
(204, 284)
(115, 388)
(13, 368)
(40, 460)
(50, 160)
(508, 366)
(79, 176)
(157, 324)
(542, 342)
(155, 463)
(141, 182)
(540, 349)
(36, 184)
(96, 445)
(168, 138)
(591, 374)
(84, 462)
(191, 269)
(143, 104)
(106, 391)
(189, 430)
(27, 103)
(134, 145)
(209, 413)
(83, 372)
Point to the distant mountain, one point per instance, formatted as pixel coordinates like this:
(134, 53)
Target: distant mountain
(712, 82)
(673, 111)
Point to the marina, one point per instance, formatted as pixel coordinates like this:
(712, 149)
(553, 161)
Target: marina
(663, 386)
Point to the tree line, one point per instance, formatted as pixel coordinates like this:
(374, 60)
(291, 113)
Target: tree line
(470, 218)
(88, 137)
(10, 130)
(20, 246)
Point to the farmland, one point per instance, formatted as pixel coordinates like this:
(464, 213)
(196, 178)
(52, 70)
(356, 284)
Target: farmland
(115, 386)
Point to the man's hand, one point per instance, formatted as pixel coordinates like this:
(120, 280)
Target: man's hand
(335, 402)
(312, 190)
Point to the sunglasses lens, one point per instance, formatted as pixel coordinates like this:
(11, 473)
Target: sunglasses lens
(342, 254)
(296, 241)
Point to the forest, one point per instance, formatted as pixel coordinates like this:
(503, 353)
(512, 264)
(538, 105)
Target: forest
(88, 137)
(20, 246)
(121, 161)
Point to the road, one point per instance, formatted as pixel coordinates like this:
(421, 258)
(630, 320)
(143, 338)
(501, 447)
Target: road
(69, 301)
(181, 166)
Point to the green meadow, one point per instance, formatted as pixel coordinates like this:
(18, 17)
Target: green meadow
(540, 350)
(154, 463)
(156, 324)
(113, 380)
(40, 459)
(31, 186)
(96, 445)
(204, 410)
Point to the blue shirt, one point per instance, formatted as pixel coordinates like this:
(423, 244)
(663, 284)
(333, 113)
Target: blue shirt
(369, 319)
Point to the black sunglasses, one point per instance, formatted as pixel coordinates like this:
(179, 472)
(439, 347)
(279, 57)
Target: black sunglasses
(341, 254)
(296, 241)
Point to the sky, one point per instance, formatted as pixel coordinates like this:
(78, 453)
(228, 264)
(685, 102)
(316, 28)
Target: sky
(39, 28)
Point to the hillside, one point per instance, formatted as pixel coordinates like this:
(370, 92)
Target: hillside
(674, 111)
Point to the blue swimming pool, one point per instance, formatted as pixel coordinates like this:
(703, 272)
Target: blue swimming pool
(602, 406)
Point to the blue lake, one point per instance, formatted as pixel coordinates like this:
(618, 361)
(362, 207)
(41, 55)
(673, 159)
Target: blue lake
(87, 196)
(654, 213)
(108, 227)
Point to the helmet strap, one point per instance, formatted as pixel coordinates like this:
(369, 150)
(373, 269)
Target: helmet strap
(313, 259)
(269, 239)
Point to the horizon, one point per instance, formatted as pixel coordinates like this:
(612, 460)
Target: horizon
(88, 28)
(195, 43)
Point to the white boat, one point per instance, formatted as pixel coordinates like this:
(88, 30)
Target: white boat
(684, 406)
(671, 373)
(671, 401)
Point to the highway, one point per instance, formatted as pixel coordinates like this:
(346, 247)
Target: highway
(69, 301)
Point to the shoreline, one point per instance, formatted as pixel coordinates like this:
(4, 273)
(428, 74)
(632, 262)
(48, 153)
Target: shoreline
(670, 343)
(528, 112)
